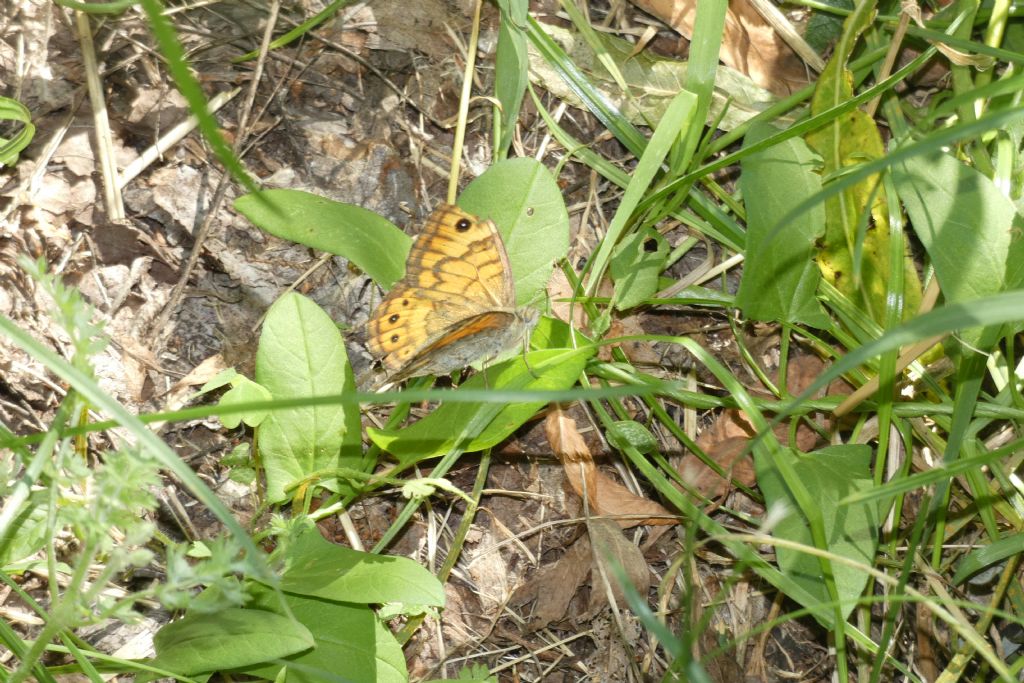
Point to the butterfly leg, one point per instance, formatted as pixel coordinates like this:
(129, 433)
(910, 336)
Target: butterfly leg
(526, 358)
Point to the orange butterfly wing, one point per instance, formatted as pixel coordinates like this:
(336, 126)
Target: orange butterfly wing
(455, 303)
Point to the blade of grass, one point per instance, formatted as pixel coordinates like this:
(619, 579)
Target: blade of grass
(675, 121)
(605, 111)
(300, 30)
(189, 87)
(114, 7)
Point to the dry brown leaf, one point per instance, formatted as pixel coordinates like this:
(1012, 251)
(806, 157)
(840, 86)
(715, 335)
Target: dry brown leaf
(488, 571)
(723, 442)
(609, 546)
(554, 585)
(749, 45)
(802, 371)
(609, 498)
(728, 436)
(565, 440)
(640, 352)
(199, 375)
(605, 496)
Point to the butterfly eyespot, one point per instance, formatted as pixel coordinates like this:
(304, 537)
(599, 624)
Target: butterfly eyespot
(405, 302)
(393, 319)
(394, 339)
(463, 225)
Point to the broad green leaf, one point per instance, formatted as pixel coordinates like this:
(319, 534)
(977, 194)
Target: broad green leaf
(970, 229)
(520, 195)
(366, 239)
(352, 452)
(636, 265)
(228, 639)
(523, 199)
(318, 568)
(300, 355)
(653, 81)
(442, 429)
(221, 379)
(829, 475)
(780, 278)
(351, 644)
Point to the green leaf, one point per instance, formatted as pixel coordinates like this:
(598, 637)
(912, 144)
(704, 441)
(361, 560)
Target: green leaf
(472, 673)
(988, 555)
(780, 277)
(366, 239)
(519, 195)
(823, 28)
(829, 475)
(523, 199)
(300, 355)
(629, 433)
(228, 639)
(351, 645)
(221, 379)
(636, 265)
(353, 454)
(114, 7)
(444, 428)
(243, 390)
(13, 110)
(970, 229)
(318, 568)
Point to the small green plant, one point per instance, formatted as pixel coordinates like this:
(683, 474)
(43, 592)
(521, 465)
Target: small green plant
(317, 622)
(12, 110)
(90, 517)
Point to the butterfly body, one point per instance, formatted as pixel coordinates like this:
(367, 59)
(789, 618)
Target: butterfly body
(456, 303)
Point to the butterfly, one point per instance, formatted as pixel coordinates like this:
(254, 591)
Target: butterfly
(456, 303)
